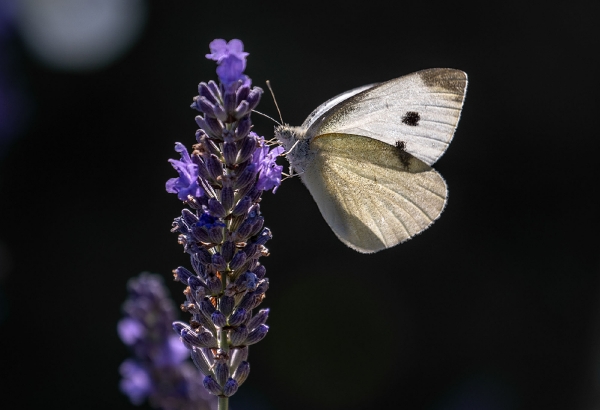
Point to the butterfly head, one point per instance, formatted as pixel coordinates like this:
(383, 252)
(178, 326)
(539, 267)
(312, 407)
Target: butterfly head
(297, 146)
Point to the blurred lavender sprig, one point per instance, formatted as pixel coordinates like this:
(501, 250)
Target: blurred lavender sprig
(222, 229)
(158, 370)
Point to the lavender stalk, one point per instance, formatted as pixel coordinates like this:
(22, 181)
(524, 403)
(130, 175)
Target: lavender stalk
(222, 229)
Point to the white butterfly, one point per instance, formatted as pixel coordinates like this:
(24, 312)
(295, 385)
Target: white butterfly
(365, 156)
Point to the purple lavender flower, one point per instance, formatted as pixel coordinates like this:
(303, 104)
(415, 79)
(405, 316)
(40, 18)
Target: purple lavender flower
(269, 171)
(187, 183)
(223, 231)
(231, 59)
(158, 371)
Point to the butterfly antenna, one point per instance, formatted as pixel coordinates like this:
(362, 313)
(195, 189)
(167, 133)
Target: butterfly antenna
(269, 117)
(275, 101)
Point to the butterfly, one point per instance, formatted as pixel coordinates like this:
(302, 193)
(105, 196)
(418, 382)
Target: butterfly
(366, 155)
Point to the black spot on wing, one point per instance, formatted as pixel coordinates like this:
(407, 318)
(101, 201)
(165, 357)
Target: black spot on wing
(402, 154)
(411, 118)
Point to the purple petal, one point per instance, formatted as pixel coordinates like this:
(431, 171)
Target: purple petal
(136, 381)
(187, 182)
(218, 49)
(130, 330)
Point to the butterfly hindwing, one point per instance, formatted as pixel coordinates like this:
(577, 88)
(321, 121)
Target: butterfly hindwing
(373, 195)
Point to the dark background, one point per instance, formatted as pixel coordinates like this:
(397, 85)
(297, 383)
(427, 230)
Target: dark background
(495, 307)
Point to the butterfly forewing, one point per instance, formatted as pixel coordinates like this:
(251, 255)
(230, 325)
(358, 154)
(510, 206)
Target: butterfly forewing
(419, 111)
(373, 195)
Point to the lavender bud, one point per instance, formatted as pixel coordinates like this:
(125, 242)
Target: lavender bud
(203, 256)
(264, 236)
(237, 261)
(207, 123)
(229, 102)
(238, 335)
(197, 264)
(182, 275)
(202, 170)
(190, 307)
(211, 385)
(200, 361)
(247, 301)
(243, 127)
(238, 317)
(243, 232)
(215, 167)
(188, 217)
(203, 339)
(197, 203)
(246, 266)
(231, 386)
(204, 322)
(245, 281)
(214, 88)
(247, 147)
(218, 262)
(230, 152)
(242, 207)
(208, 356)
(214, 125)
(247, 177)
(227, 250)
(235, 223)
(220, 113)
(239, 355)
(200, 234)
(262, 287)
(226, 305)
(204, 105)
(221, 372)
(199, 294)
(256, 335)
(214, 284)
(250, 191)
(216, 208)
(216, 234)
(254, 97)
(242, 372)
(227, 197)
(256, 228)
(179, 225)
(206, 307)
(205, 92)
(179, 326)
(205, 145)
(194, 105)
(260, 271)
(242, 93)
(251, 250)
(190, 339)
(259, 319)
(200, 136)
(258, 300)
(219, 319)
(241, 110)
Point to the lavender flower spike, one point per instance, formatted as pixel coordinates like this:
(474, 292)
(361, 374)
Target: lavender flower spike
(158, 370)
(223, 231)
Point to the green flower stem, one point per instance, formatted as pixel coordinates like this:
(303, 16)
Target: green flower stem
(223, 403)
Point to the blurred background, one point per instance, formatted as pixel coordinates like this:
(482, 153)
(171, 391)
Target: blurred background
(495, 307)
